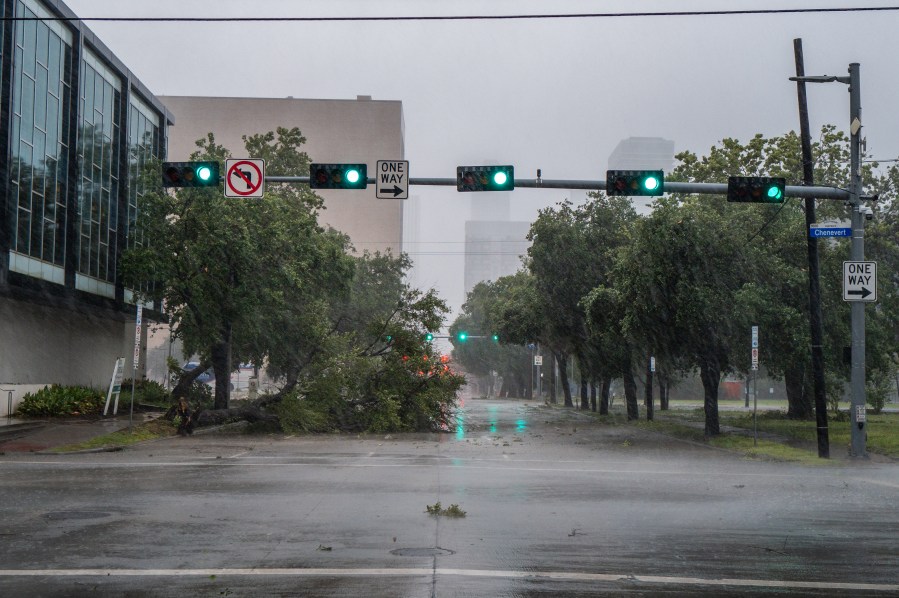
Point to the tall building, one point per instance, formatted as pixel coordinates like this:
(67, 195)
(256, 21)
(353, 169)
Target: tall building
(494, 244)
(642, 153)
(336, 131)
(76, 126)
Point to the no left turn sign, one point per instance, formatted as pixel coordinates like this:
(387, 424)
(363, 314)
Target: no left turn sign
(244, 177)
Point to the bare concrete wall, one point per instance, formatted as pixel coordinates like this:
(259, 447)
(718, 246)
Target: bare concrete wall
(41, 345)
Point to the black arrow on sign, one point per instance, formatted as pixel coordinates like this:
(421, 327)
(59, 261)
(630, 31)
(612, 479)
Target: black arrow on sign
(864, 292)
(396, 191)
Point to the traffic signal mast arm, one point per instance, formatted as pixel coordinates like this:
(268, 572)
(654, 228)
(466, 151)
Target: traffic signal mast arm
(670, 187)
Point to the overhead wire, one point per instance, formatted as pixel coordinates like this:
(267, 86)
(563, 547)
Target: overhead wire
(629, 14)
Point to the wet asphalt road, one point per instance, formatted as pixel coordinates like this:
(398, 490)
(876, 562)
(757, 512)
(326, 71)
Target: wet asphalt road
(555, 503)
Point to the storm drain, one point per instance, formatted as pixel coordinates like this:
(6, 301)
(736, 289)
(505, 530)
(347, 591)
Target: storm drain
(422, 552)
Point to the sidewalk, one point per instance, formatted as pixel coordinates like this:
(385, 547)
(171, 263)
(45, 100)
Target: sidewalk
(34, 435)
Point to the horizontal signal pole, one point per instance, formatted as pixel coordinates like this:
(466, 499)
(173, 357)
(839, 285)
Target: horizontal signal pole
(668, 186)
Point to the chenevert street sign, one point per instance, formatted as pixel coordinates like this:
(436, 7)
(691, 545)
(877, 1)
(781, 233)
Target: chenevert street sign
(859, 281)
(816, 231)
(392, 180)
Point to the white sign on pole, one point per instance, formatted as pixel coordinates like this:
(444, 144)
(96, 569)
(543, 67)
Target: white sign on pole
(115, 385)
(859, 281)
(244, 177)
(538, 359)
(392, 180)
(652, 363)
(137, 326)
(755, 348)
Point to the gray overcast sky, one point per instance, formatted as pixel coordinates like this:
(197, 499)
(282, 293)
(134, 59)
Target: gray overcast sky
(551, 94)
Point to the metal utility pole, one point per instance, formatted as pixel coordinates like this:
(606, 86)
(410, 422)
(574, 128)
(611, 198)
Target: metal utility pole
(814, 286)
(857, 379)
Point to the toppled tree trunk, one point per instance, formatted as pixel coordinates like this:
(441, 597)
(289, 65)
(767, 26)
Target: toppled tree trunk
(186, 379)
(251, 413)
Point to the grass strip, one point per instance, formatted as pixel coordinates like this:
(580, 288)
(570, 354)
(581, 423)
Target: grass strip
(151, 430)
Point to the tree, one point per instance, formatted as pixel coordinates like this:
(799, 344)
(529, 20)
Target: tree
(231, 272)
(481, 314)
(678, 279)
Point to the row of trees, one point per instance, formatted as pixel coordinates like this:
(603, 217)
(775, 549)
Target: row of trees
(607, 288)
(261, 281)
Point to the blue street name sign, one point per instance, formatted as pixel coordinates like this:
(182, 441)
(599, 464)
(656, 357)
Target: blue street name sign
(816, 232)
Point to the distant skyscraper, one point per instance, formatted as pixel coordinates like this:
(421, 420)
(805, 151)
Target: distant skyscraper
(493, 243)
(643, 153)
(493, 248)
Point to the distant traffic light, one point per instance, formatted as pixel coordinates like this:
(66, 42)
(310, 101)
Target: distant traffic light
(338, 176)
(429, 337)
(190, 174)
(461, 336)
(755, 189)
(635, 182)
(495, 337)
(485, 178)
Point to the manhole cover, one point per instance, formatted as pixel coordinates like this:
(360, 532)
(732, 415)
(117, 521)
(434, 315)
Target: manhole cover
(63, 515)
(422, 552)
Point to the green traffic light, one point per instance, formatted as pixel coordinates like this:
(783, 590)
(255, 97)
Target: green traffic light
(496, 338)
(338, 176)
(645, 183)
(462, 336)
(204, 173)
(485, 178)
(774, 192)
(429, 337)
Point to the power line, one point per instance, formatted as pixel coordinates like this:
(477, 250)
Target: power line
(770, 220)
(606, 15)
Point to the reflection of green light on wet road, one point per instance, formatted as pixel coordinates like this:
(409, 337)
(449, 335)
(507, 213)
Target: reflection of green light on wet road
(493, 427)
(460, 431)
(521, 425)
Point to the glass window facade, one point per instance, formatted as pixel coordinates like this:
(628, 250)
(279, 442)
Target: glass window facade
(79, 136)
(39, 153)
(98, 192)
(143, 146)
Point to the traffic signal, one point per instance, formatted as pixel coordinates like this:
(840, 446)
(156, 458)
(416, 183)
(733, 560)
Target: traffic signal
(338, 176)
(462, 336)
(485, 178)
(429, 337)
(755, 189)
(635, 182)
(190, 174)
(495, 338)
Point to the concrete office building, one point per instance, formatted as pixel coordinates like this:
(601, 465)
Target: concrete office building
(494, 244)
(336, 131)
(642, 153)
(75, 128)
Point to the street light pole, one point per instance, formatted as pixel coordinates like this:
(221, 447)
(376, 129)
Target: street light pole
(857, 380)
(857, 254)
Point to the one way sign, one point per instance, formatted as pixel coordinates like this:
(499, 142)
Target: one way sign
(859, 281)
(392, 179)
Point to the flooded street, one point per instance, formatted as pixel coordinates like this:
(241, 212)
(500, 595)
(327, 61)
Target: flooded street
(554, 504)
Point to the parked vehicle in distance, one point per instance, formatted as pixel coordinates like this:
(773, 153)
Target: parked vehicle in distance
(240, 378)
